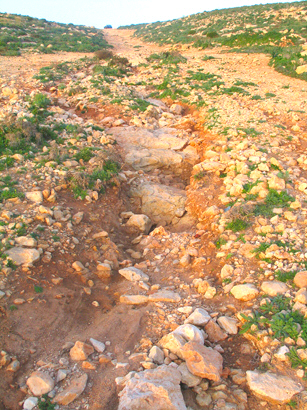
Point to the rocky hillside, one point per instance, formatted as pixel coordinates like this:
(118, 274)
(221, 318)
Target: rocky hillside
(153, 231)
(276, 29)
(27, 34)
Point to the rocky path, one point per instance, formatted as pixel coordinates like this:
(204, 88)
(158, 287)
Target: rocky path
(120, 299)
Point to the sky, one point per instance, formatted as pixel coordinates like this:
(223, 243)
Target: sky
(99, 13)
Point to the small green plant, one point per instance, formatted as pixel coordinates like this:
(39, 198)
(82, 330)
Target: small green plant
(220, 242)
(38, 289)
(285, 276)
(44, 403)
(237, 225)
(85, 154)
(13, 307)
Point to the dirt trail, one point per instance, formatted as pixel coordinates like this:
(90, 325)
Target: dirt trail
(157, 152)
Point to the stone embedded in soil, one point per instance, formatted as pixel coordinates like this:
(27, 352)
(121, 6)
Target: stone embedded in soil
(30, 403)
(274, 388)
(229, 324)
(187, 377)
(300, 279)
(26, 241)
(133, 274)
(35, 196)
(133, 299)
(104, 270)
(141, 222)
(245, 292)
(77, 218)
(163, 204)
(80, 351)
(301, 296)
(40, 383)
(203, 361)
(274, 288)
(73, 391)
(98, 346)
(199, 317)
(157, 389)
(190, 333)
(165, 296)
(214, 332)
(22, 256)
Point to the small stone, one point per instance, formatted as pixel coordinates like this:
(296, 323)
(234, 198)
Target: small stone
(133, 274)
(14, 366)
(200, 317)
(98, 346)
(61, 375)
(272, 387)
(190, 333)
(229, 324)
(104, 270)
(141, 222)
(73, 391)
(203, 361)
(281, 354)
(274, 288)
(133, 299)
(102, 234)
(30, 403)
(165, 296)
(174, 343)
(301, 296)
(300, 279)
(35, 196)
(214, 332)
(187, 377)
(40, 383)
(156, 355)
(26, 241)
(81, 351)
(244, 292)
(78, 266)
(77, 218)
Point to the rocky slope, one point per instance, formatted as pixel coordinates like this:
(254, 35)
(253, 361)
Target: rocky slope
(153, 232)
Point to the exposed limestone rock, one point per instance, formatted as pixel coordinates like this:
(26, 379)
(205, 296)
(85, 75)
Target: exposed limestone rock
(80, 351)
(274, 288)
(300, 279)
(165, 296)
(190, 333)
(133, 299)
(203, 361)
(214, 332)
(133, 274)
(199, 317)
(244, 292)
(163, 204)
(35, 196)
(26, 241)
(40, 383)
(272, 387)
(174, 343)
(71, 392)
(229, 324)
(156, 354)
(141, 222)
(157, 389)
(22, 256)
(187, 377)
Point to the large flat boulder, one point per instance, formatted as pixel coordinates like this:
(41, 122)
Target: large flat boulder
(22, 256)
(163, 138)
(157, 389)
(272, 387)
(162, 203)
